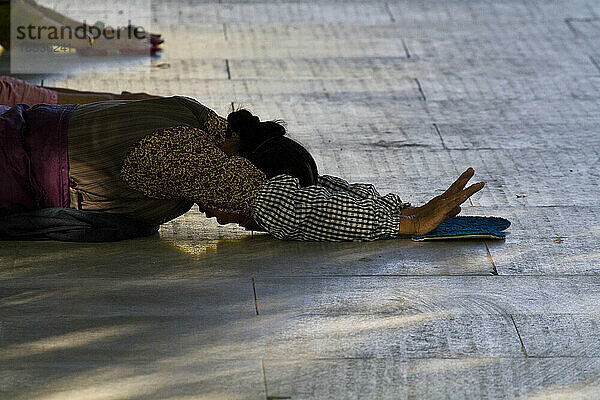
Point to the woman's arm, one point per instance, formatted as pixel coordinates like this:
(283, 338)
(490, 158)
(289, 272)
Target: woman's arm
(291, 212)
(361, 190)
(288, 211)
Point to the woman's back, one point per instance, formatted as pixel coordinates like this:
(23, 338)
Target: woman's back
(99, 137)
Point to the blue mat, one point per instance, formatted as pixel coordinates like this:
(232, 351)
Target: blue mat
(468, 228)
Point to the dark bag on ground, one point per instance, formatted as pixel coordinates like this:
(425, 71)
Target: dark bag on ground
(71, 225)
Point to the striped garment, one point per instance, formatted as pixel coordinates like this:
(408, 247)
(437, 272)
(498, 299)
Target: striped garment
(100, 135)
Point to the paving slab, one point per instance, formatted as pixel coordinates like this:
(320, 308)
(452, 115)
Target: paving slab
(112, 298)
(515, 135)
(121, 259)
(339, 115)
(420, 41)
(221, 42)
(184, 378)
(563, 335)
(407, 113)
(196, 247)
(130, 338)
(404, 87)
(265, 256)
(524, 111)
(409, 317)
(369, 336)
(487, 11)
(466, 86)
(272, 12)
(137, 320)
(414, 295)
(367, 135)
(377, 68)
(8, 254)
(403, 12)
(417, 317)
(534, 177)
(419, 38)
(546, 240)
(481, 378)
(528, 40)
(157, 71)
(588, 27)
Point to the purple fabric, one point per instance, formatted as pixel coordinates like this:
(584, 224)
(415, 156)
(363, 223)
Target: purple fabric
(15, 91)
(34, 163)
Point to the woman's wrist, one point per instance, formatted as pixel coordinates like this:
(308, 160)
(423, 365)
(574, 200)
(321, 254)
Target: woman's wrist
(407, 225)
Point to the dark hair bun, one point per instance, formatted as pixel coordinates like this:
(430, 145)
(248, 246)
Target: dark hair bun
(265, 145)
(273, 128)
(243, 123)
(251, 131)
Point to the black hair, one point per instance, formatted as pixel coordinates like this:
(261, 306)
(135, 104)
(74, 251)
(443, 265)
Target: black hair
(267, 147)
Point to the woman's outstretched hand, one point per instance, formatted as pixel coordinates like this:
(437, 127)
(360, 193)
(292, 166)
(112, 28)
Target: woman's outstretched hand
(424, 219)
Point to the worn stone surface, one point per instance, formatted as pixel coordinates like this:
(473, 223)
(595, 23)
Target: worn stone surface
(179, 377)
(465, 378)
(401, 94)
(546, 240)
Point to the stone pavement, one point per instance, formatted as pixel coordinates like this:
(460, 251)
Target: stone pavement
(405, 95)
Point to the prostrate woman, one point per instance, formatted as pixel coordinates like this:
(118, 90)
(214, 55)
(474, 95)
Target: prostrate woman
(151, 160)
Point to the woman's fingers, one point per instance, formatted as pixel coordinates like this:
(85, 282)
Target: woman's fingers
(461, 182)
(432, 217)
(462, 196)
(450, 204)
(456, 187)
(447, 205)
(426, 223)
(451, 199)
